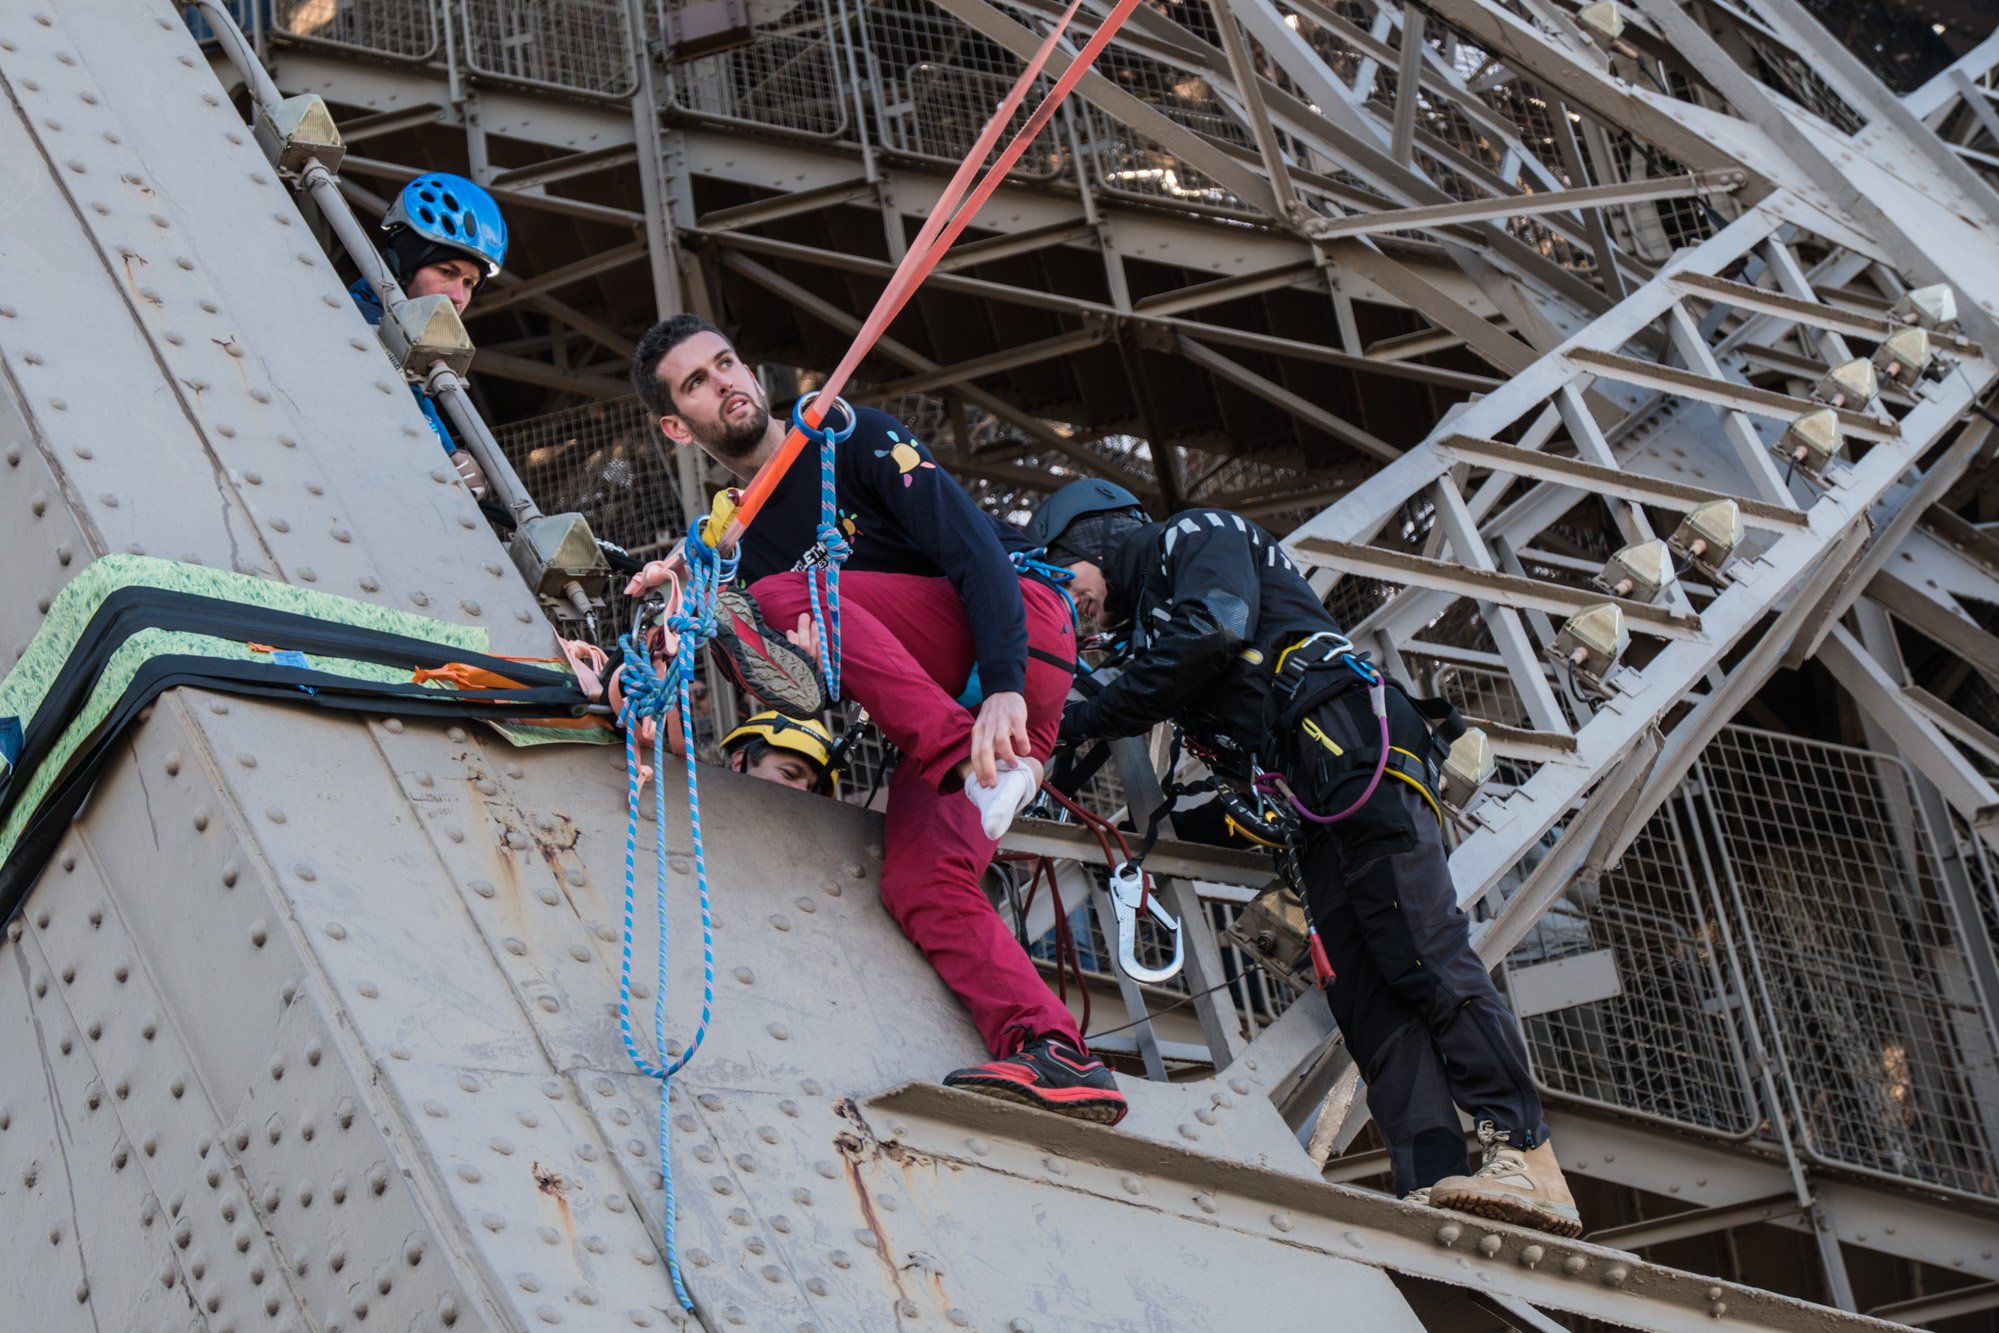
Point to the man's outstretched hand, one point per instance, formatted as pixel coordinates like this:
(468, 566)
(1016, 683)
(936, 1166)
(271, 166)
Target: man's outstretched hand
(999, 734)
(806, 637)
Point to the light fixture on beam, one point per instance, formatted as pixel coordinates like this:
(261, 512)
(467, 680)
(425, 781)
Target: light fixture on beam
(1466, 767)
(1642, 570)
(1904, 355)
(1603, 23)
(1849, 384)
(1932, 307)
(1591, 641)
(1812, 441)
(1708, 535)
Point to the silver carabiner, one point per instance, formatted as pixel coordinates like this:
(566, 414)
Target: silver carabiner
(1127, 886)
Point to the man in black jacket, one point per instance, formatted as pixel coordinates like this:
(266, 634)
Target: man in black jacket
(1228, 641)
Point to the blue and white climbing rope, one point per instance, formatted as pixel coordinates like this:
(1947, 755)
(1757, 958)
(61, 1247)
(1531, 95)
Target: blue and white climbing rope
(650, 694)
(824, 581)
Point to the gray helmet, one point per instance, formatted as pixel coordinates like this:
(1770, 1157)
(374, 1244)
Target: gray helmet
(1080, 500)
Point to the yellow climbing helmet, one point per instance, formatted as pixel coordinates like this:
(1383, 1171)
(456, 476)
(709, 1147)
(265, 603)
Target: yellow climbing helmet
(803, 736)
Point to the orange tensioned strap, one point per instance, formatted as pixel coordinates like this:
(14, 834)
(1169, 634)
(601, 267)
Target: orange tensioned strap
(465, 676)
(947, 221)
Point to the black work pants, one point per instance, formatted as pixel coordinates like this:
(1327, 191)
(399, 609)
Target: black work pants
(1416, 1005)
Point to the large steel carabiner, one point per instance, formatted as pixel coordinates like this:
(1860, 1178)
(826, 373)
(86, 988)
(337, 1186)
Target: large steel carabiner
(1127, 888)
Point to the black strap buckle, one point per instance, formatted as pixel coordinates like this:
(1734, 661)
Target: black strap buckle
(1298, 661)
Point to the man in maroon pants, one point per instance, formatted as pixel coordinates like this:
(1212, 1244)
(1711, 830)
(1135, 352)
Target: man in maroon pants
(932, 610)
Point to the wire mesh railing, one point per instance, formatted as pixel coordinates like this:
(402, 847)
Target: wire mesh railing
(1792, 75)
(573, 46)
(1865, 985)
(934, 82)
(1665, 1046)
(1806, 870)
(1125, 162)
(791, 76)
(607, 462)
(398, 28)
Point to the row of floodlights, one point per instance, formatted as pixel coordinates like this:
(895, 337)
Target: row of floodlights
(1905, 357)
(1594, 639)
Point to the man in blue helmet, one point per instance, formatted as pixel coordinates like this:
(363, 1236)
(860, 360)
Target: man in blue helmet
(443, 236)
(1228, 641)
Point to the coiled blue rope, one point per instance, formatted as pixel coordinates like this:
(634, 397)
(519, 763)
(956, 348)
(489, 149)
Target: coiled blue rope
(649, 694)
(825, 581)
(1034, 564)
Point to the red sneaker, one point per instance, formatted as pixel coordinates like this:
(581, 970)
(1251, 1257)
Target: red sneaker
(1050, 1074)
(761, 661)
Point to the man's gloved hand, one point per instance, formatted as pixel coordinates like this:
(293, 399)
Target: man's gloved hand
(468, 469)
(1073, 729)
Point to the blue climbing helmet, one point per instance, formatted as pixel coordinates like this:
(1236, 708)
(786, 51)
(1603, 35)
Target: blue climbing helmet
(439, 211)
(1083, 519)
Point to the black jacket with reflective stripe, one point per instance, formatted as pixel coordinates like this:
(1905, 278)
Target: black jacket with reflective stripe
(1199, 591)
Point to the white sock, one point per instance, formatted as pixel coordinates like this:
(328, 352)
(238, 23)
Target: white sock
(1012, 789)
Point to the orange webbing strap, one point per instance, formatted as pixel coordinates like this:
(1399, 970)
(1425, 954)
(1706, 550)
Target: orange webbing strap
(947, 221)
(465, 676)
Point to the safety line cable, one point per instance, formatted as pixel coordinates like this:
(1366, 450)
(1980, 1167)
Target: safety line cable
(1105, 831)
(947, 220)
(1180, 1003)
(1065, 938)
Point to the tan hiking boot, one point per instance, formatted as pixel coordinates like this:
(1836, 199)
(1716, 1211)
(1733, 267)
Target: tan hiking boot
(1522, 1186)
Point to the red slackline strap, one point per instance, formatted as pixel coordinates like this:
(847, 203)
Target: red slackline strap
(947, 221)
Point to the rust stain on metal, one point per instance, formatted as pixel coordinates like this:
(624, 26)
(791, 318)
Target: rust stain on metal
(550, 1182)
(855, 1146)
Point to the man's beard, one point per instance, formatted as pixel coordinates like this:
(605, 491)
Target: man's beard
(730, 443)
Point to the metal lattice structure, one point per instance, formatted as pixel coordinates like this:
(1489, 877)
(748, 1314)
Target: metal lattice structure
(1462, 296)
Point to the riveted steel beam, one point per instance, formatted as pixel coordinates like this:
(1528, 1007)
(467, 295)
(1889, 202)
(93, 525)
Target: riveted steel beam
(1694, 185)
(1355, 1225)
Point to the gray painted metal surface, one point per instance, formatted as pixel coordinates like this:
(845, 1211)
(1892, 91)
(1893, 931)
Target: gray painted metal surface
(312, 1017)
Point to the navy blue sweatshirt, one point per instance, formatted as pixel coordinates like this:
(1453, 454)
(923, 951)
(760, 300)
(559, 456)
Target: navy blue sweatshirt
(902, 514)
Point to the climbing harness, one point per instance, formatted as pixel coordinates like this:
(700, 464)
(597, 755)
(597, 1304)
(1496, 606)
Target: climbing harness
(1328, 647)
(824, 580)
(649, 695)
(1030, 565)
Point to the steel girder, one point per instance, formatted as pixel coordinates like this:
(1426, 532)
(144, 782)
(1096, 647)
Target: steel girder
(1319, 123)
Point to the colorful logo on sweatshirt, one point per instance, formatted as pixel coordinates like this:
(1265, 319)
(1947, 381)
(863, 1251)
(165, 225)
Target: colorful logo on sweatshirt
(905, 457)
